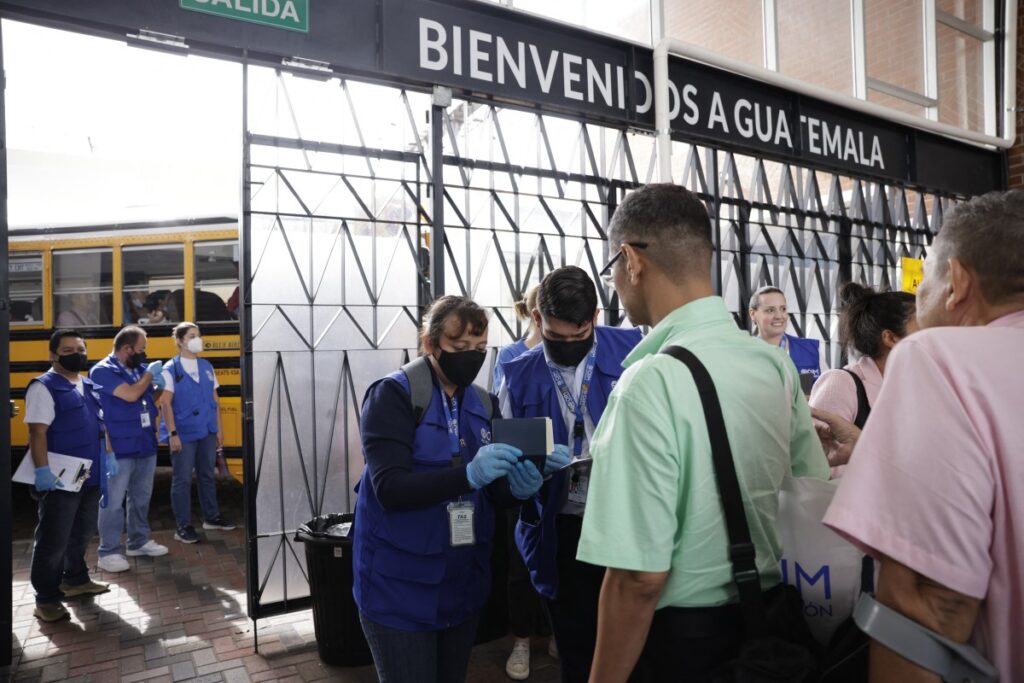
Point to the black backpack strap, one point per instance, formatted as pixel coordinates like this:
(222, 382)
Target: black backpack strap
(742, 553)
(421, 386)
(863, 407)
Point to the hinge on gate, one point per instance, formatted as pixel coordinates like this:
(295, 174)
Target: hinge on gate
(247, 408)
(161, 41)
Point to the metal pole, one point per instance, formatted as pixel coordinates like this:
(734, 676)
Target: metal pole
(6, 592)
(441, 99)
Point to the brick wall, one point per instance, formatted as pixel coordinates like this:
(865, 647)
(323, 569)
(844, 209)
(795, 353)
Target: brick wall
(1016, 154)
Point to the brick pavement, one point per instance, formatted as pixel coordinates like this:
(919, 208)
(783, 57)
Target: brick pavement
(182, 618)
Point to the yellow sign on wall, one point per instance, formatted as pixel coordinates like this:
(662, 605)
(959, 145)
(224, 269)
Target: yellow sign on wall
(913, 272)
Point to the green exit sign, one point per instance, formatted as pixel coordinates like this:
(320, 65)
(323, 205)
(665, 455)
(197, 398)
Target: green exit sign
(289, 14)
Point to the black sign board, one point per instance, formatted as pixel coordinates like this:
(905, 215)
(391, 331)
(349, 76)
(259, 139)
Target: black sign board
(486, 51)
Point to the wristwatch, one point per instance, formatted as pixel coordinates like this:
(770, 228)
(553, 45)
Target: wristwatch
(174, 432)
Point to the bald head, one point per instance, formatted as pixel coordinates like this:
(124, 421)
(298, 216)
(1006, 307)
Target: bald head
(674, 224)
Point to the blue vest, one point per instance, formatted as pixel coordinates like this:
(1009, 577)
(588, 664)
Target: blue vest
(532, 393)
(195, 410)
(123, 419)
(77, 428)
(804, 353)
(407, 575)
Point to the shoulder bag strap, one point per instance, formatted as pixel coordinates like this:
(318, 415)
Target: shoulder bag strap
(863, 407)
(742, 553)
(421, 386)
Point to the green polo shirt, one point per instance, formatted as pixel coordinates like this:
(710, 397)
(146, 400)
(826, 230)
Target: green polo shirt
(653, 502)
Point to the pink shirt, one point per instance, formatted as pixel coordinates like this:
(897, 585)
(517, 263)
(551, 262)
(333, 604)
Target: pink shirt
(936, 481)
(835, 392)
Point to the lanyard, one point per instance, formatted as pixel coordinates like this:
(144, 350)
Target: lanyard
(452, 413)
(576, 406)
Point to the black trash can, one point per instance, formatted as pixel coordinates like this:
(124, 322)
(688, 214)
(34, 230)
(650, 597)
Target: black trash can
(339, 635)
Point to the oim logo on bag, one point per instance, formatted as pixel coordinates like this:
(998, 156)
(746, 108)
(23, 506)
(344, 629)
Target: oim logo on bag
(801, 578)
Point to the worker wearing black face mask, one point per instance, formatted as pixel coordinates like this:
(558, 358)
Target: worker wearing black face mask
(567, 378)
(127, 386)
(425, 514)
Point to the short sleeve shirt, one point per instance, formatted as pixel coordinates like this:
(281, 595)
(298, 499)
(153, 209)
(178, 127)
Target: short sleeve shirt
(653, 503)
(39, 406)
(936, 481)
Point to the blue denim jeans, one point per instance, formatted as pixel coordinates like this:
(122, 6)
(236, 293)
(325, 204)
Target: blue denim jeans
(420, 656)
(200, 456)
(129, 491)
(67, 522)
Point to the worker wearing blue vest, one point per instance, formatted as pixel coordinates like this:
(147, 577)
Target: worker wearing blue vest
(190, 425)
(126, 384)
(771, 317)
(424, 521)
(62, 411)
(567, 378)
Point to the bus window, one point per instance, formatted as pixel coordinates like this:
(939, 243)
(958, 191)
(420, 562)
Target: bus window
(25, 273)
(154, 284)
(216, 281)
(82, 287)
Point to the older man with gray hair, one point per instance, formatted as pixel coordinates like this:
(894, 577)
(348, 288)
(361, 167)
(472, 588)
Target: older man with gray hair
(935, 486)
(654, 516)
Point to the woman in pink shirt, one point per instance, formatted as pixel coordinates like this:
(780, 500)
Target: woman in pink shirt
(870, 324)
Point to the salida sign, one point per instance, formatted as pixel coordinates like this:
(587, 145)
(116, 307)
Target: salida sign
(289, 14)
(514, 59)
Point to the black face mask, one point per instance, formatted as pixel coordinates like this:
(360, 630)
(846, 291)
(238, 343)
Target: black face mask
(569, 353)
(73, 362)
(461, 367)
(136, 359)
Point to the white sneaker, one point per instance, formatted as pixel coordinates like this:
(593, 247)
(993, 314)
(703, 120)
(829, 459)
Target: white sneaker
(151, 549)
(114, 563)
(518, 665)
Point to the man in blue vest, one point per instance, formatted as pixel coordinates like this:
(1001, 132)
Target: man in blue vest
(567, 378)
(62, 411)
(126, 385)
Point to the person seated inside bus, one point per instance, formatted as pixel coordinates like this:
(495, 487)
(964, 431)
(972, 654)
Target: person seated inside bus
(157, 308)
(80, 309)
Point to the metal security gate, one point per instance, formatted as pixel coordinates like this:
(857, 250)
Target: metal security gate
(332, 235)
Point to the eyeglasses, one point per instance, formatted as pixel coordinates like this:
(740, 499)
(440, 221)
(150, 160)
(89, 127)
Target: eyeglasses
(606, 272)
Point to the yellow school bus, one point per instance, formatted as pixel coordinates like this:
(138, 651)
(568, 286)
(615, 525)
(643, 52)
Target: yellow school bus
(97, 279)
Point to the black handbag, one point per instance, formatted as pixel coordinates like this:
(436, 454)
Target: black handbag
(777, 645)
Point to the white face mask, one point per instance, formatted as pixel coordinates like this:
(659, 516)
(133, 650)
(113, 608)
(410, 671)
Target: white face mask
(195, 345)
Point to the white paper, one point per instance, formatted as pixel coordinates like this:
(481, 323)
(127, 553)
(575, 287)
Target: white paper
(71, 471)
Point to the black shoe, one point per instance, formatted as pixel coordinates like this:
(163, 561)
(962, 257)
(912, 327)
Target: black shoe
(218, 523)
(186, 534)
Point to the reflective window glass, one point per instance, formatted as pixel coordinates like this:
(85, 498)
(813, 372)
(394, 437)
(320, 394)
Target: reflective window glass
(216, 281)
(82, 287)
(154, 284)
(25, 277)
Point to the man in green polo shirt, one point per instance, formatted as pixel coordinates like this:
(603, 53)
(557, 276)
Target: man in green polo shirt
(654, 516)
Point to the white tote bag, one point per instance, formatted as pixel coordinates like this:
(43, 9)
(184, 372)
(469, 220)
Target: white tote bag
(824, 567)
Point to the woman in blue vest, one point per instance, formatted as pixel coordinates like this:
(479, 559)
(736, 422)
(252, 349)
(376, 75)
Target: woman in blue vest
(771, 317)
(191, 428)
(424, 520)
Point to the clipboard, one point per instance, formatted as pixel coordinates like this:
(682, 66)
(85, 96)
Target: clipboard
(71, 471)
(578, 463)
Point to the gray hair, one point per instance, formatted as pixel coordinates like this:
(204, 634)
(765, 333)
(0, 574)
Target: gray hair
(673, 221)
(986, 234)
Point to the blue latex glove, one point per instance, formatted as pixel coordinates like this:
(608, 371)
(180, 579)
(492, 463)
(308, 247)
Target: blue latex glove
(46, 480)
(156, 368)
(524, 480)
(112, 467)
(491, 462)
(557, 460)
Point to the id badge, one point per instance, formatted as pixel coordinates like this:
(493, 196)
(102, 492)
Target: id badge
(145, 419)
(460, 524)
(578, 489)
